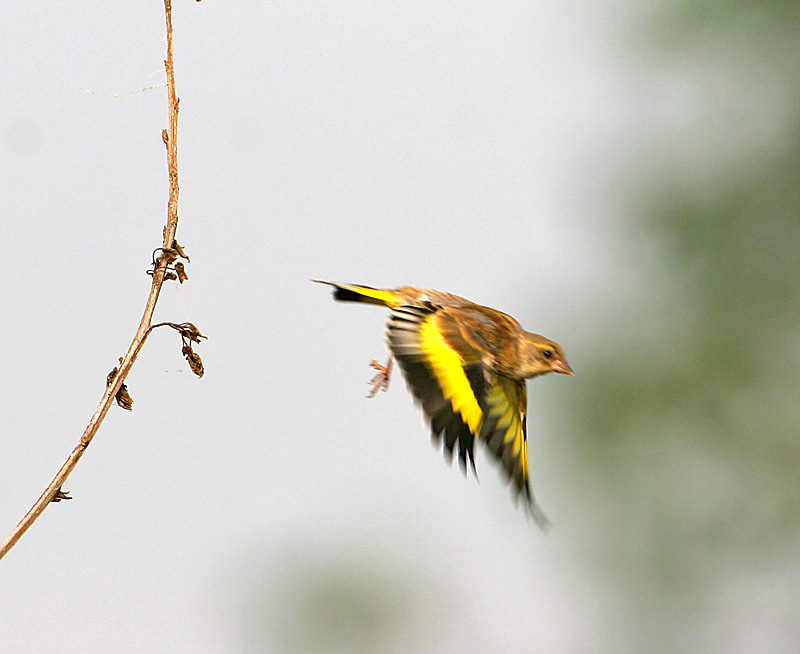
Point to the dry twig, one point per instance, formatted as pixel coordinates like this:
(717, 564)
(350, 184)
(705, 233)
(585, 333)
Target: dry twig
(169, 252)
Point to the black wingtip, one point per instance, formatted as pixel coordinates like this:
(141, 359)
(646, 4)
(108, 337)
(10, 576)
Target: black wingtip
(346, 295)
(539, 517)
(342, 293)
(462, 460)
(472, 465)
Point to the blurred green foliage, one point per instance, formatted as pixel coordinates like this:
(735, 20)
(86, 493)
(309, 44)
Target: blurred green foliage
(319, 589)
(689, 424)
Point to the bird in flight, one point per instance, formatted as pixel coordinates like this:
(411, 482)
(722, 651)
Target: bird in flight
(466, 366)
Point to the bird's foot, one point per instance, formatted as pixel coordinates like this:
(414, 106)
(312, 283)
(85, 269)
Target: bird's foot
(380, 382)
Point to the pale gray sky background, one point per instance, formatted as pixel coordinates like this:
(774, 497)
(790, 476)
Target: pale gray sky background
(480, 148)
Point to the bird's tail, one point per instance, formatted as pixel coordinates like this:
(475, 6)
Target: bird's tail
(367, 294)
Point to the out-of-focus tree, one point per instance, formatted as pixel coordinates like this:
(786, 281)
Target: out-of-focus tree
(688, 428)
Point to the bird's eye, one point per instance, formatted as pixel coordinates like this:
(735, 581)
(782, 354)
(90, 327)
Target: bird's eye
(547, 353)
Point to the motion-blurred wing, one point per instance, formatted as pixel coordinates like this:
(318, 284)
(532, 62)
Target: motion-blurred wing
(504, 430)
(443, 372)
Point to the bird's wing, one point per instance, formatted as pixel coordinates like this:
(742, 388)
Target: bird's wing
(504, 431)
(444, 373)
(459, 395)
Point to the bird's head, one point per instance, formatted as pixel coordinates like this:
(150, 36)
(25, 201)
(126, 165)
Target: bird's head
(540, 356)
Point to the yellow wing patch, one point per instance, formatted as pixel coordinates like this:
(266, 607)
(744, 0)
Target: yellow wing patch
(505, 401)
(447, 367)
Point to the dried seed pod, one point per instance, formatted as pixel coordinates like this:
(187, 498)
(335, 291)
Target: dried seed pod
(190, 332)
(124, 399)
(176, 246)
(169, 254)
(194, 360)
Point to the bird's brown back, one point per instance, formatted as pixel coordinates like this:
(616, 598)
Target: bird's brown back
(491, 332)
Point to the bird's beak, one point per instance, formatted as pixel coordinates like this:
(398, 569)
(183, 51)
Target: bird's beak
(561, 366)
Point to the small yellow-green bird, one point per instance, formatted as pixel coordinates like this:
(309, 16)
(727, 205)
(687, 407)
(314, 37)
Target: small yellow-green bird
(466, 366)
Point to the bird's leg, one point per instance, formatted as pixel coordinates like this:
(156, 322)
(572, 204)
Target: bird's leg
(380, 382)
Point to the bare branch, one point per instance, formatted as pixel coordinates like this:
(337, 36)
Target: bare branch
(53, 493)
